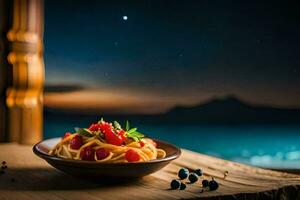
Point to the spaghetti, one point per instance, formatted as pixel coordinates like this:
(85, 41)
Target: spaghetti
(104, 142)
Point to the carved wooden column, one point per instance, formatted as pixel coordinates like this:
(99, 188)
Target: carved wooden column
(24, 96)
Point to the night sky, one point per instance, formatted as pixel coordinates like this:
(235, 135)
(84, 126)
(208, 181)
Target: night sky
(177, 52)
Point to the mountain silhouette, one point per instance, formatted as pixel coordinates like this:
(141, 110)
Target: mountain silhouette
(227, 110)
(231, 109)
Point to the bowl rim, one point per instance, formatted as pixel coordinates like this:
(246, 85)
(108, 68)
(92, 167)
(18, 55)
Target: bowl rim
(70, 161)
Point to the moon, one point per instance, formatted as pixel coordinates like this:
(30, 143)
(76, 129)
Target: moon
(125, 17)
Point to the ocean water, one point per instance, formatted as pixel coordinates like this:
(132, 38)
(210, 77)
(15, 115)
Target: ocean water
(271, 146)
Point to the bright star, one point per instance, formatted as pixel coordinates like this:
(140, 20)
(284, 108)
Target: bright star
(125, 17)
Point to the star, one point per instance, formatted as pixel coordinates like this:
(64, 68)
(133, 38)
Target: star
(125, 18)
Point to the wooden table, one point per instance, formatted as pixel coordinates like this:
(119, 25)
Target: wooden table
(29, 177)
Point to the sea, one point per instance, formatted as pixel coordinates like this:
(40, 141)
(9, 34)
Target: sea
(275, 146)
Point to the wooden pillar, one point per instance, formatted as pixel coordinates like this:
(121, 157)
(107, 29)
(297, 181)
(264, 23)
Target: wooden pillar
(24, 98)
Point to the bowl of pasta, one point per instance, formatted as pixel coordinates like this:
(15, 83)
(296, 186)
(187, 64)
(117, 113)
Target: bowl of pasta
(106, 150)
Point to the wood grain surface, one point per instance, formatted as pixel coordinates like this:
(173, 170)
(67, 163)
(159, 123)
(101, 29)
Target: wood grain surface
(29, 177)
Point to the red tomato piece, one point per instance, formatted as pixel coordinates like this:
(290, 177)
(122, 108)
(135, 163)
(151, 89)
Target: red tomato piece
(94, 127)
(113, 138)
(132, 156)
(122, 134)
(87, 153)
(67, 135)
(142, 143)
(76, 142)
(102, 153)
(105, 126)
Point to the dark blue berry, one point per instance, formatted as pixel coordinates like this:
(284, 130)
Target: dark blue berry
(182, 186)
(183, 173)
(198, 172)
(205, 183)
(213, 185)
(193, 177)
(175, 184)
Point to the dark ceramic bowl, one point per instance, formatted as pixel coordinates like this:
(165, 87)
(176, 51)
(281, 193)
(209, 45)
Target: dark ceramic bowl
(92, 169)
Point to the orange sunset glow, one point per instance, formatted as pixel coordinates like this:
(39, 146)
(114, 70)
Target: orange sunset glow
(112, 102)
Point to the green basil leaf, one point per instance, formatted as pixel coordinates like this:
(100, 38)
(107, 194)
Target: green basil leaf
(133, 134)
(138, 134)
(84, 132)
(117, 125)
(131, 130)
(127, 125)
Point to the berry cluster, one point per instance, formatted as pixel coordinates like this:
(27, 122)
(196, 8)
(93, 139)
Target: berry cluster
(3, 167)
(193, 177)
(2, 171)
